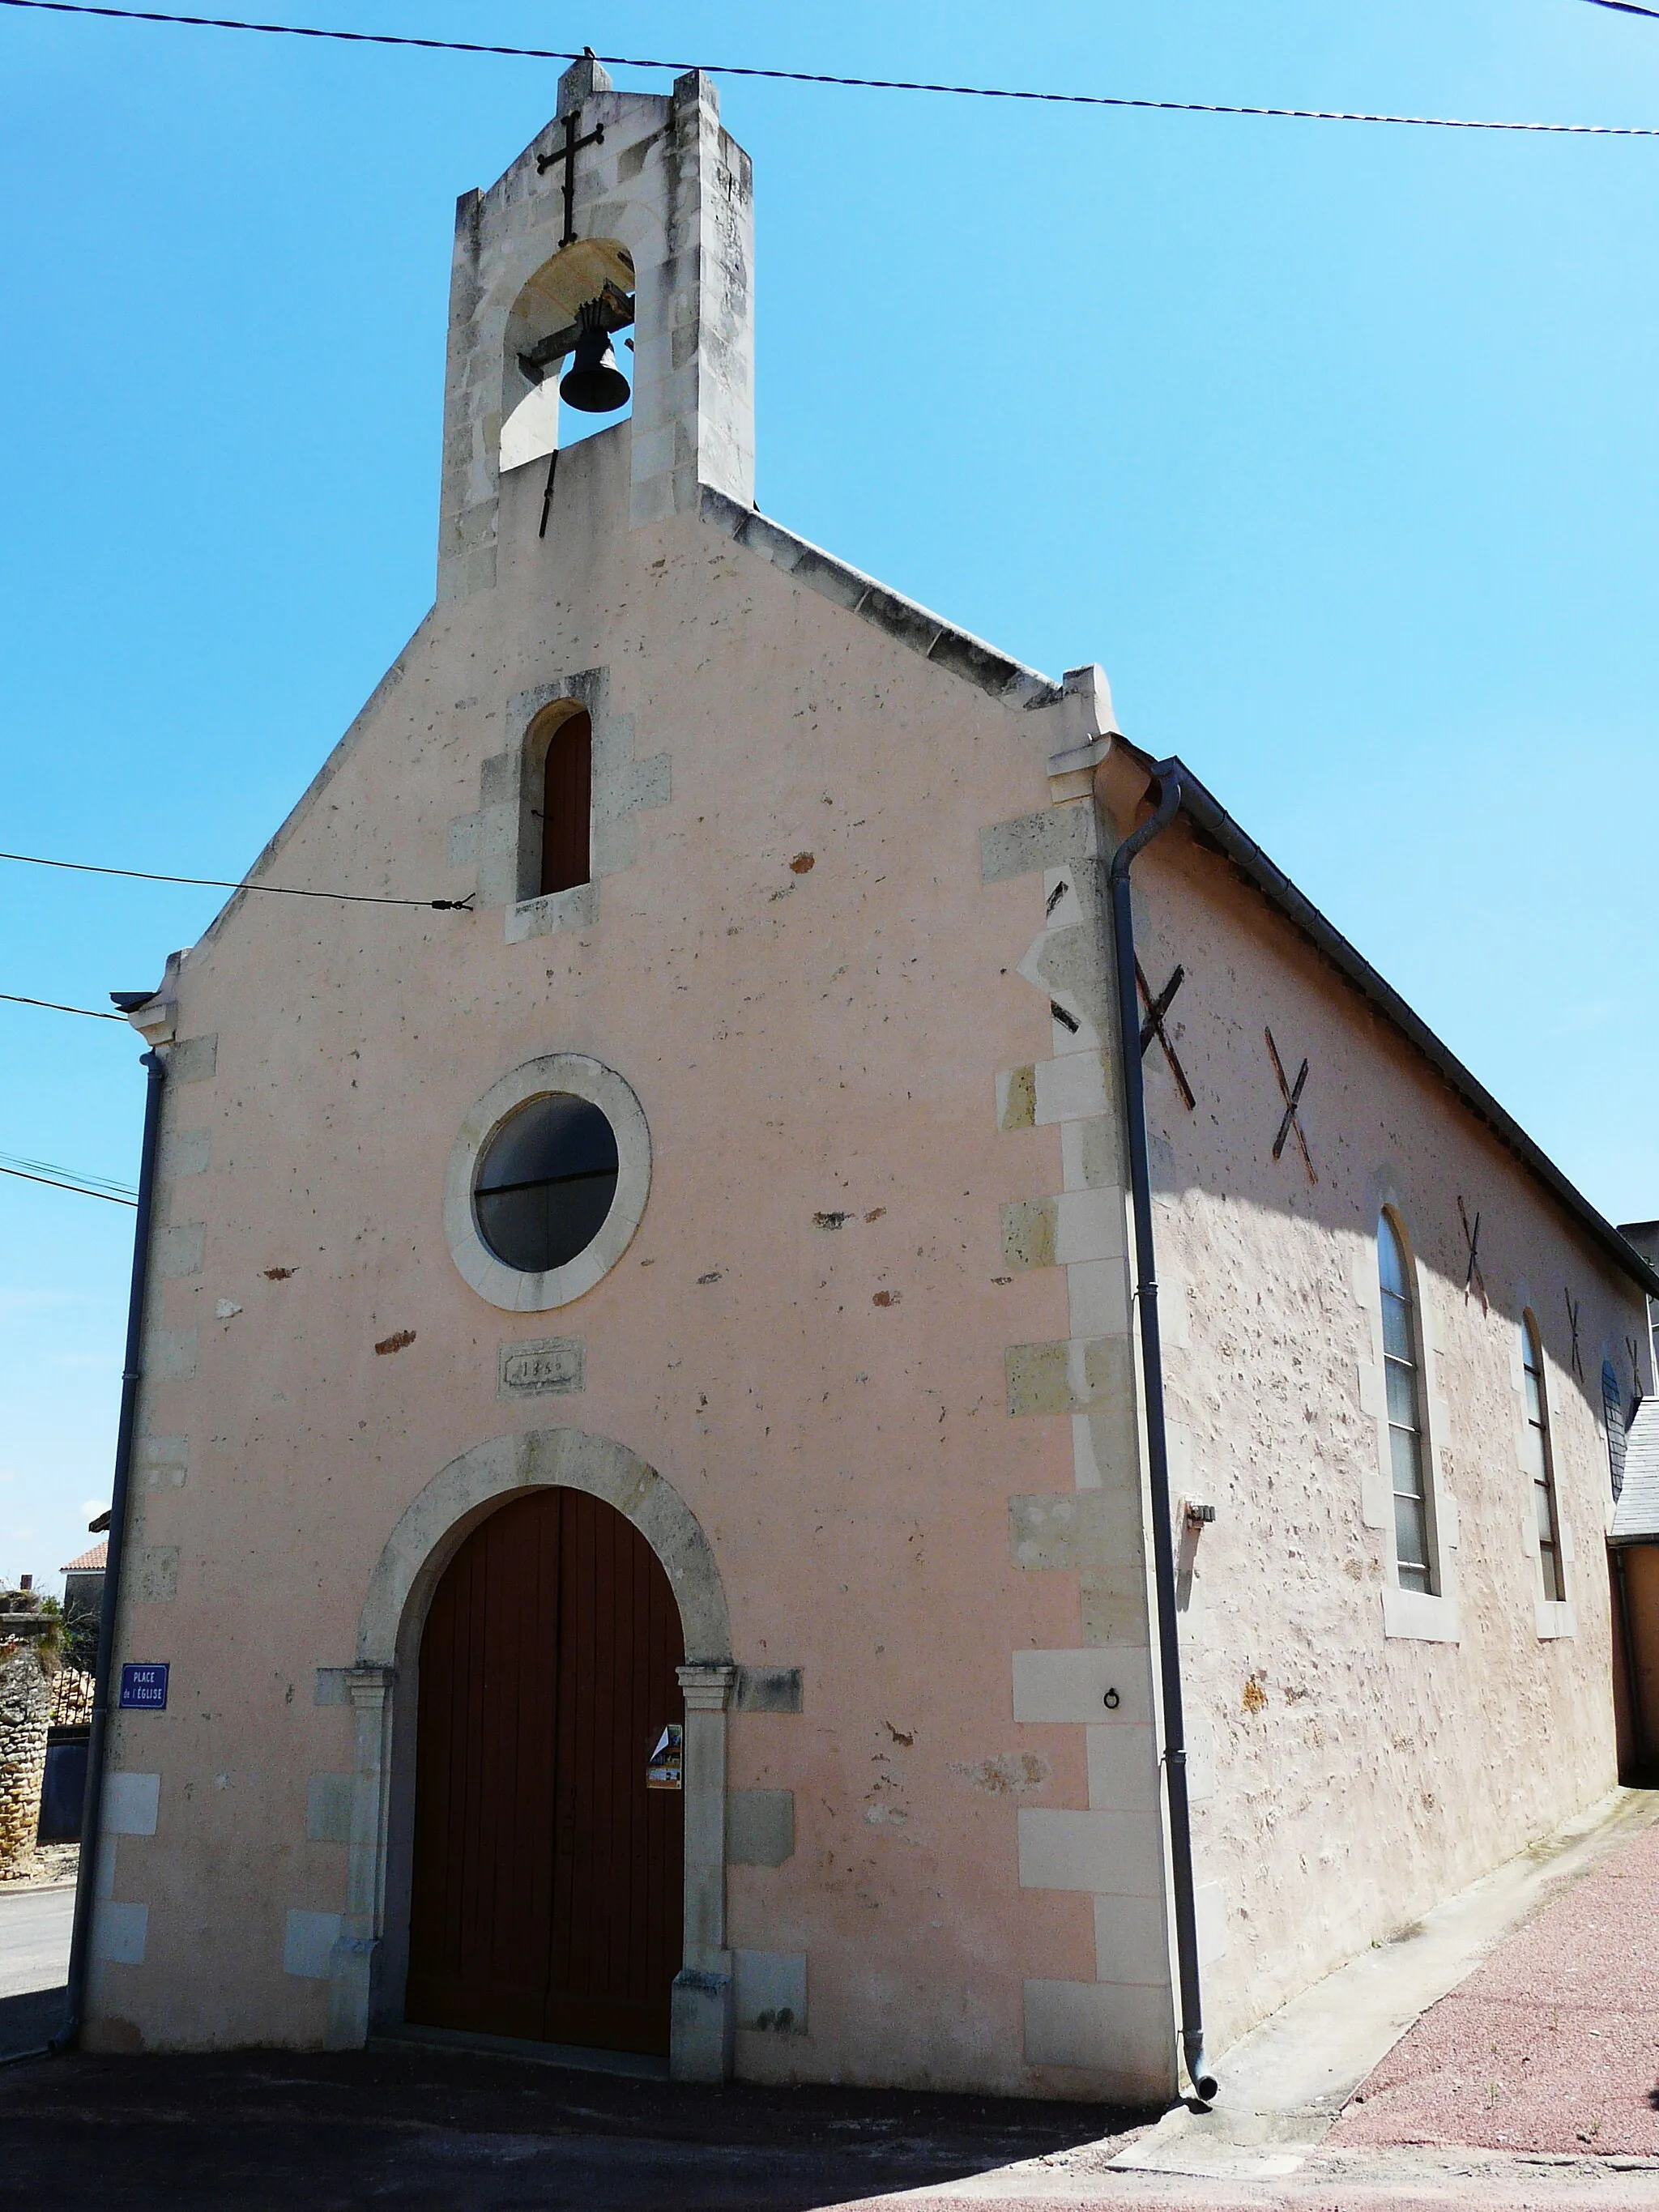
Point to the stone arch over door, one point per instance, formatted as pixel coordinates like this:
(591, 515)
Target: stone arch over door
(370, 1959)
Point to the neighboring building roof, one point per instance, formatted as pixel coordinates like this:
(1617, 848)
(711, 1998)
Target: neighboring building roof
(1635, 1516)
(89, 1563)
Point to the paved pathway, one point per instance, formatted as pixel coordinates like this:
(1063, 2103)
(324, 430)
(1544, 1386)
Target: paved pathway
(1553, 2045)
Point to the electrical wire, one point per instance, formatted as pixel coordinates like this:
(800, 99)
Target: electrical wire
(1624, 8)
(56, 1178)
(56, 1007)
(19, 1164)
(822, 77)
(225, 883)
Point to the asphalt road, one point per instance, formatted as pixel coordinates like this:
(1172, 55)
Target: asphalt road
(418, 2129)
(34, 1940)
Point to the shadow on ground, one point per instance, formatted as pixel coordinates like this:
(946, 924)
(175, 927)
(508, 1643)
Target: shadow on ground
(419, 2130)
(26, 2022)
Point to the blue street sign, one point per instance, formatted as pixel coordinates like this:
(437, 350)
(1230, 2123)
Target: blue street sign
(144, 1689)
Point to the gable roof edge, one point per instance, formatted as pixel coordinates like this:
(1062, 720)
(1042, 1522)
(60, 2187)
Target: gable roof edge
(1208, 814)
(903, 620)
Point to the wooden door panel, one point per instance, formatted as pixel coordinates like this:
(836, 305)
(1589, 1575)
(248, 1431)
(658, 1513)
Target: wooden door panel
(618, 1877)
(546, 1900)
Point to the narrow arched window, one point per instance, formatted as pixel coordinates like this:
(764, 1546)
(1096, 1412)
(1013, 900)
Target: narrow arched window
(1407, 1443)
(567, 803)
(1541, 1464)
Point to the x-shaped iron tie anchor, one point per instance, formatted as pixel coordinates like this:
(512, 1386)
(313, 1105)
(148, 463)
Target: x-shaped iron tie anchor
(1291, 1123)
(1472, 1278)
(1153, 1026)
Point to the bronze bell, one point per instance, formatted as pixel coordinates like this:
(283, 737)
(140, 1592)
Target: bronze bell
(593, 383)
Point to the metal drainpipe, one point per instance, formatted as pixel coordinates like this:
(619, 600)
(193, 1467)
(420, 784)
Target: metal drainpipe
(1168, 777)
(92, 1804)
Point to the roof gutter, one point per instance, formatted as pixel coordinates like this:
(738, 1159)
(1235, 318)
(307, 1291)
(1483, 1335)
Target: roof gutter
(1215, 826)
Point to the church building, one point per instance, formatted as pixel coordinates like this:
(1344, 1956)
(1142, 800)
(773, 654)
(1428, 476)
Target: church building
(660, 1518)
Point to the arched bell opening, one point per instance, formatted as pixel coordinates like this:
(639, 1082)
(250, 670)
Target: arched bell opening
(568, 339)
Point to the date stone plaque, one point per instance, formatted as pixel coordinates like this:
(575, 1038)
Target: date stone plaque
(549, 1368)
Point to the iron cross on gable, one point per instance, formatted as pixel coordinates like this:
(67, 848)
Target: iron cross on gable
(567, 153)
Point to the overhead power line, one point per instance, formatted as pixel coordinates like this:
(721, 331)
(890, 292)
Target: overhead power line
(825, 77)
(1625, 8)
(84, 1185)
(224, 883)
(56, 1007)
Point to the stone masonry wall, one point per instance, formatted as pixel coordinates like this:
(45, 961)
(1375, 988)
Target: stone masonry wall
(25, 1708)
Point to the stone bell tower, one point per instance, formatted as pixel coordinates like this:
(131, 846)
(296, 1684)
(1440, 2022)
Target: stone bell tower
(643, 203)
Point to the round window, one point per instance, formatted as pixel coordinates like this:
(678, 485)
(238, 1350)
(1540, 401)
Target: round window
(545, 1182)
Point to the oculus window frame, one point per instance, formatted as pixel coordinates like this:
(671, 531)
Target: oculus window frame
(523, 1289)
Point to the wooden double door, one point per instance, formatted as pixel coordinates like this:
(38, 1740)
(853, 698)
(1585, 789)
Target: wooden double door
(547, 1883)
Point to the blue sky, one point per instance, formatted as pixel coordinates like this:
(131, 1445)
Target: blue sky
(1336, 444)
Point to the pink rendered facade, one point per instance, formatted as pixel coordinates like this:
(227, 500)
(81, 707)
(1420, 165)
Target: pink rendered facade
(856, 1351)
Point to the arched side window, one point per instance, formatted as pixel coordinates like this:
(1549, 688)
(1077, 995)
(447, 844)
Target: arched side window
(567, 806)
(1541, 1464)
(1408, 1446)
(1613, 1408)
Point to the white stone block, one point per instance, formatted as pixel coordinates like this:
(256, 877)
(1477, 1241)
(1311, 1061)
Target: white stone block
(1173, 1313)
(1210, 1913)
(1073, 1685)
(1061, 906)
(1200, 1759)
(1087, 1468)
(132, 1803)
(170, 1354)
(328, 1807)
(1078, 1033)
(1124, 2028)
(1132, 1940)
(1123, 1771)
(1413, 1614)
(120, 1933)
(180, 1250)
(308, 1940)
(1098, 1292)
(1074, 1089)
(770, 1990)
(1107, 1854)
(184, 1152)
(163, 1462)
(1089, 1224)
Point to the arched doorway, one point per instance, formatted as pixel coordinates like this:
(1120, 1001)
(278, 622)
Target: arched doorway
(547, 1880)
